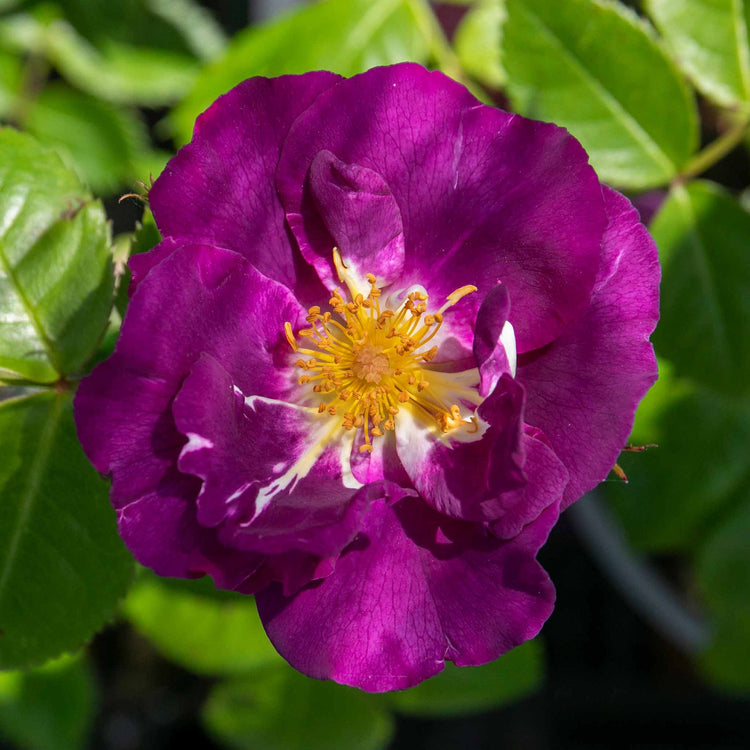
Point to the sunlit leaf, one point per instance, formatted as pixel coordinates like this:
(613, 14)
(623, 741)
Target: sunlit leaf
(118, 72)
(459, 691)
(710, 43)
(277, 708)
(63, 567)
(595, 68)
(55, 268)
(203, 634)
(478, 42)
(48, 708)
(101, 141)
(345, 36)
(198, 27)
(702, 234)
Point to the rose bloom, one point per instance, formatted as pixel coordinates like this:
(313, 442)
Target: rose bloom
(389, 335)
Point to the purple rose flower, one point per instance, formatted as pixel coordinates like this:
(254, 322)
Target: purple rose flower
(389, 334)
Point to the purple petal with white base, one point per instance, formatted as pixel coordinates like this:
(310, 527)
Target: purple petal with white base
(413, 590)
(246, 451)
(438, 468)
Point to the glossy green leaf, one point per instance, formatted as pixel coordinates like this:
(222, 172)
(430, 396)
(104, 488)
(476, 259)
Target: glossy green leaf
(344, 36)
(48, 708)
(55, 268)
(101, 141)
(709, 39)
(595, 68)
(478, 42)
(702, 234)
(459, 691)
(277, 708)
(722, 571)
(682, 488)
(209, 635)
(63, 567)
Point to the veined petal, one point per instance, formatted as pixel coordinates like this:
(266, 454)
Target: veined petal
(219, 188)
(584, 387)
(484, 196)
(351, 208)
(273, 480)
(464, 479)
(413, 590)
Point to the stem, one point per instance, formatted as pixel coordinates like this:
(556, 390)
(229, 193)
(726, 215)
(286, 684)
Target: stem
(33, 79)
(638, 582)
(716, 150)
(441, 49)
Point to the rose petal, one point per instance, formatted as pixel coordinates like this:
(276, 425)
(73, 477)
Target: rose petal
(244, 448)
(351, 207)
(219, 189)
(217, 303)
(485, 196)
(413, 590)
(466, 479)
(583, 388)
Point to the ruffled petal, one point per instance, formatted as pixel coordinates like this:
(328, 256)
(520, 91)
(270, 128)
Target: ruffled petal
(270, 481)
(491, 340)
(413, 590)
(219, 189)
(197, 299)
(160, 530)
(484, 196)
(583, 388)
(351, 208)
(465, 478)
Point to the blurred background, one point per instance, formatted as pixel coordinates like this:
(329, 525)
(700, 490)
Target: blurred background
(649, 644)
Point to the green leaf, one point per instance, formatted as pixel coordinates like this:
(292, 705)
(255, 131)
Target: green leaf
(119, 72)
(595, 68)
(101, 141)
(205, 635)
(721, 569)
(709, 40)
(459, 691)
(48, 708)
(702, 234)
(478, 42)
(200, 30)
(62, 566)
(682, 488)
(55, 268)
(277, 708)
(344, 36)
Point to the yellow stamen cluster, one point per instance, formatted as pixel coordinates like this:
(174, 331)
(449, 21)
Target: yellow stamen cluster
(368, 363)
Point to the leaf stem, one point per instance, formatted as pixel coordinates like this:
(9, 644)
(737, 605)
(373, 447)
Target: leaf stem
(716, 150)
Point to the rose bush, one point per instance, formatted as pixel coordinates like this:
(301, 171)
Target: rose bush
(390, 333)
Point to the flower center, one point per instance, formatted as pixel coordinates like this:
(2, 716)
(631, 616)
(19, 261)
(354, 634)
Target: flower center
(369, 362)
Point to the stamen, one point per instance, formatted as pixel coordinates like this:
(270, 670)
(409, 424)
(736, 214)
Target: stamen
(375, 361)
